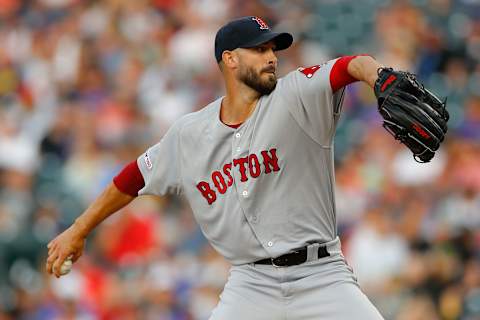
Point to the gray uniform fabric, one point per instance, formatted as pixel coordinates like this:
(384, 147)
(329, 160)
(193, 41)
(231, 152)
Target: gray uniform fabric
(318, 289)
(262, 189)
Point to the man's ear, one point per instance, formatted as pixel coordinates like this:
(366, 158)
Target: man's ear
(230, 59)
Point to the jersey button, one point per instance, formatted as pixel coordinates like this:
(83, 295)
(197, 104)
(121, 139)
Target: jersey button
(239, 149)
(270, 244)
(237, 135)
(245, 193)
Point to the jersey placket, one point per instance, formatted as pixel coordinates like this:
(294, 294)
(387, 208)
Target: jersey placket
(241, 149)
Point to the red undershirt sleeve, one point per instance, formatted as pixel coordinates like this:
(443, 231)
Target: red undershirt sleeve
(339, 76)
(130, 180)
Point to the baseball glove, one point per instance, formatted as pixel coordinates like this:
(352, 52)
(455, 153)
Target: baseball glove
(411, 113)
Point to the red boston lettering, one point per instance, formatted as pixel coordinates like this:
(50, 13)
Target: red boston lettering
(223, 179)
(254, 165)
(207, 192)
(270, 161)
(226, 170)
(219, 182)
(242, 166)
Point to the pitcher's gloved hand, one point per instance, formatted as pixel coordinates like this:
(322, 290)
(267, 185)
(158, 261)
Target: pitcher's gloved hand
(411, 113)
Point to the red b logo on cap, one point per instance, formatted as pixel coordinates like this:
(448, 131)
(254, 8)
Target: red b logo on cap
(261, 23)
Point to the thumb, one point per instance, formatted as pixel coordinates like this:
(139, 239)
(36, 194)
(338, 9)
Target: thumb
(74, 257)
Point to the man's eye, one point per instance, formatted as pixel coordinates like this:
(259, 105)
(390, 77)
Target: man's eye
(261, 49)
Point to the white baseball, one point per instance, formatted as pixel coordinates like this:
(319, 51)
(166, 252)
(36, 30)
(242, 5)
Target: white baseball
(66, 266)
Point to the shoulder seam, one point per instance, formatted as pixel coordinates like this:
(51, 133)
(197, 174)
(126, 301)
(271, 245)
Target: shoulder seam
(296, 122)
(185, 121)
(306, 134)
(298, 95)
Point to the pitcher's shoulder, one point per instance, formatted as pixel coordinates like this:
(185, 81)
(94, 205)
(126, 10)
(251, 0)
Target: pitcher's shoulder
(309, 72)
(306, 78)
(198, 119)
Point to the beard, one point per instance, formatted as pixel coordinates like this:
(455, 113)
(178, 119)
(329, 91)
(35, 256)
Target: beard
(255, 81)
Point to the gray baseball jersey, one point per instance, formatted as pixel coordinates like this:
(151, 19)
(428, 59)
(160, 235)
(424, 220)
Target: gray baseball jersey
(266, 187)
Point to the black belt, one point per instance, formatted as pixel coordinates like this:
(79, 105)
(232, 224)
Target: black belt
(293, 258)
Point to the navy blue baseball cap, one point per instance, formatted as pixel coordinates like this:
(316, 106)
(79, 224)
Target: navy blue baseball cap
(248, 32)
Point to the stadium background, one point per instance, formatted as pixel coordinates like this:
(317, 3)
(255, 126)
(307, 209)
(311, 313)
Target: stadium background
(86, 86)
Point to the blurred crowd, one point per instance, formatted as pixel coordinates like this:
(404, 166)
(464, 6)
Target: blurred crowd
(87, 86)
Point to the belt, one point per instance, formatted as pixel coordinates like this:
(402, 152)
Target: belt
(293, 258)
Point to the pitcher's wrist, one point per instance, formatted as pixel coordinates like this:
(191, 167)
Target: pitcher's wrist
(80, 228)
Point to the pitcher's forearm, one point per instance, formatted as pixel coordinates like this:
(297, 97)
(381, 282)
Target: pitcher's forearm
(364, 68)
(110, 201)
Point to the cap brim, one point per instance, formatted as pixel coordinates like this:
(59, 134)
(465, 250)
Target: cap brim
(282, 40)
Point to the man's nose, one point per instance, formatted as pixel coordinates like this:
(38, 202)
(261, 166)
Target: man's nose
(272, 58)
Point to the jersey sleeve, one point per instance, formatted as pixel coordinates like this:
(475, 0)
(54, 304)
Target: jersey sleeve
(130, 179)
(160, 166)
(317, 94)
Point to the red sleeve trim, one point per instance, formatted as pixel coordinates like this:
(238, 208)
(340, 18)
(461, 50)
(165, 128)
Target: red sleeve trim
(339, 76)
(130, 179)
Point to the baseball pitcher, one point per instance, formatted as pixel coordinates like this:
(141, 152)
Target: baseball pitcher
(257, 169)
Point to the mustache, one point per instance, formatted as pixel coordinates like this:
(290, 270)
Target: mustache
(269, 69)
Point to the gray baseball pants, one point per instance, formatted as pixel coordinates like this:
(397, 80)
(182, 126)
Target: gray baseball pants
(323, 289)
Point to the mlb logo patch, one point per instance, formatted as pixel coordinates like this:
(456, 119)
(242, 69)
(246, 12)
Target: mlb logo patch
(148, 162)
